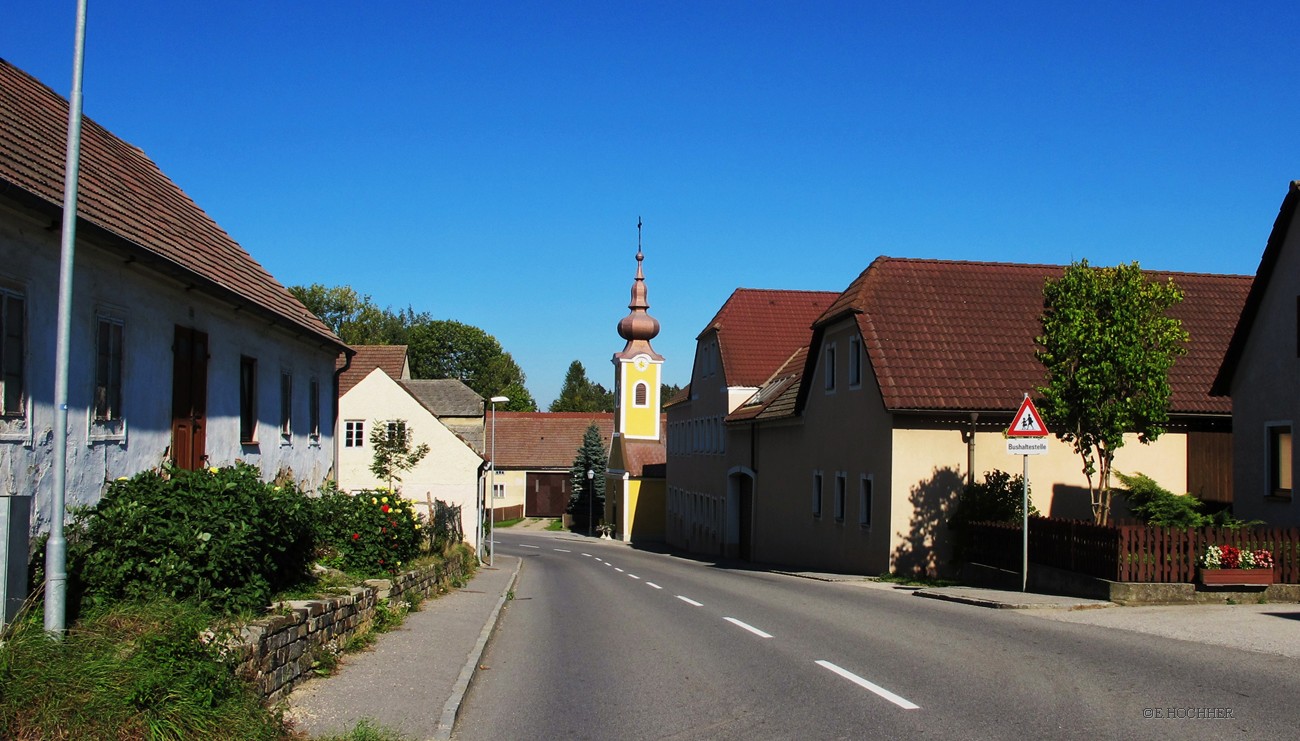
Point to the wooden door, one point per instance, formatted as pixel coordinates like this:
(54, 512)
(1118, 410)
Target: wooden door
(547, 495)
(189, 397)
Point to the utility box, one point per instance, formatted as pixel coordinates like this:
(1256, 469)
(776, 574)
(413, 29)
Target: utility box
(15, 529)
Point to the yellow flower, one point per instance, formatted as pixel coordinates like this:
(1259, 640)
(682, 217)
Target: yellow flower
(212, 469)
(417, 526)
(122, 478)
(385, 500)
(374, 501)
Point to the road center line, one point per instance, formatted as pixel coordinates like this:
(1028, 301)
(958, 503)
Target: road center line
(900, 702)
(618, 569)
(656, 586)
(562, 550)
(634, 576)
(529, 546)
(690, 601)
(748, 627)
(588, 555)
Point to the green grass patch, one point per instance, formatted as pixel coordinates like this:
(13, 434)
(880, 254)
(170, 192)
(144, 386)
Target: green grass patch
(367, 729)
(916, 581)
(509, 523)
(555, 525)
(131, 670)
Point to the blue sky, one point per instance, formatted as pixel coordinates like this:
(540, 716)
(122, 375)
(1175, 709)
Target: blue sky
(487, 161)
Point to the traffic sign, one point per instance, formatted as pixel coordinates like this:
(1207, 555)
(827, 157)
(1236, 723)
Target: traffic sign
(1027, 422)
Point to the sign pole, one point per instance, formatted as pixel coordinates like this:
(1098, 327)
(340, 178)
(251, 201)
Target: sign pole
(1027, 436)
(1024, 511)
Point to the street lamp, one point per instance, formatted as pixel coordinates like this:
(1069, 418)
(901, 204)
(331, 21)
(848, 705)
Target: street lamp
(492, 534)
(591, 497)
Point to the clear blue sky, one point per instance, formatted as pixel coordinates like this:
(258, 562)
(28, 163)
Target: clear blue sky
(487, 161)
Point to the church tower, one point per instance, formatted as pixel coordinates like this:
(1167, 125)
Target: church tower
(637, 406)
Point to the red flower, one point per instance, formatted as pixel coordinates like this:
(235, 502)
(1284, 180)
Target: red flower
(356, 535)
(384, 508)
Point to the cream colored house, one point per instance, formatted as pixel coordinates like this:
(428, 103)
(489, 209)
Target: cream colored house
(851, 456)
(1260, 373)
(452, 471)
(534, 453)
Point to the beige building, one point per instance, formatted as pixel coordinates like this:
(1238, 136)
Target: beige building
(452, 471)
(851, 456)
(534, 452)
(1260, 372)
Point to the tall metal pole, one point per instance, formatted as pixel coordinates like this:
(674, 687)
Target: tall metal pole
(56, 548)
(591, 497)
(1024, 510)
(492, 533)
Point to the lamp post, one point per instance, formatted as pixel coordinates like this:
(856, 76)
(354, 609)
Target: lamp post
(591, 497)
(492, 533)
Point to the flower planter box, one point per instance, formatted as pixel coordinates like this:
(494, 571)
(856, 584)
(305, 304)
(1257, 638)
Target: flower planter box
(1236, 577)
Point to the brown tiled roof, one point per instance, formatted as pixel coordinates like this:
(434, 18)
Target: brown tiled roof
(645, 458)
(391, 358)
(1263, 276)
(123, 194)
(777, 396)
(946, 335)
(758, 329)
(683, 394)
(538, 440)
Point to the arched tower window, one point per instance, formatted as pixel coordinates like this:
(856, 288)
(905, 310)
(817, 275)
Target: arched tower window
(640, 394)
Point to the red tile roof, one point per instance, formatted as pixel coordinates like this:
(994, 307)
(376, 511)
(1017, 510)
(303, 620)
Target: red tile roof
(758, 330)
(392, 358)
(1263, 276)
(539, 440)
(946, 335)
(645, 458)
(124, 194)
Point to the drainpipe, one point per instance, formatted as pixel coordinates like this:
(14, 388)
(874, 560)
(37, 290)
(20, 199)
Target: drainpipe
(970, 450)
(338, 382)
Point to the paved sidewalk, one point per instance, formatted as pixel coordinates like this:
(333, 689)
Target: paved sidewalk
(413, 679)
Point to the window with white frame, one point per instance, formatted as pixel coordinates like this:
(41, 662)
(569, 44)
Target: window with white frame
(108, 370)
(1279, 460)
(247, 400)
(829, 359)
(313, 409)
(354, 433)
(498, 491)
(286, 406)
(817, 494)
(864, 500)
(841, 484)
(640, 394)
(13, 335)
(855, 362)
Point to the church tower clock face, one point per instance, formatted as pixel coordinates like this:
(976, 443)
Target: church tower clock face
(641, 363)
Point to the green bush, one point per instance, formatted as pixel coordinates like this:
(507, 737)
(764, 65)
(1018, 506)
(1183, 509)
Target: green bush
(371, 533)
(998, 498)
(220, 536)
(1156, 505)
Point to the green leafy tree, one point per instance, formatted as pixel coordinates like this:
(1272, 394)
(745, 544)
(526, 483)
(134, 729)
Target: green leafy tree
(1107, 346)
(590, 457)
(355, 319)
(394, 454)
(451, 349)
(668, 391)
(580, 394)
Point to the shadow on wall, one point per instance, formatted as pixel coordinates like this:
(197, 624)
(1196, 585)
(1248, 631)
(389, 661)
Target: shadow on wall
(1071, 503)
(927, 546)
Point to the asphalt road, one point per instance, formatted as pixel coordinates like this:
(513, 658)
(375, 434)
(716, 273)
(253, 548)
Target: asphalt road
(605, 641)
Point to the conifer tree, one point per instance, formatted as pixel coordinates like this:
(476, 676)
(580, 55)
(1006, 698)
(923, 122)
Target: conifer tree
(591, 456)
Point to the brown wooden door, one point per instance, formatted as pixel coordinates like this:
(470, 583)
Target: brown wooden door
(189, 397)
(548, 494)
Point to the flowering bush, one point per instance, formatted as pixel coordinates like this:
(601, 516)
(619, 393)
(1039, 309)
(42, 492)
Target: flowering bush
(1231, 557)
(368, 533)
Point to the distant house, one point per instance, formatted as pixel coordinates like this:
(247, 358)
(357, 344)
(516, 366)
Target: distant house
(755, 333)
(850, 456)
(534, 452)
(183, 347)
(451, 471)
(1260, 372)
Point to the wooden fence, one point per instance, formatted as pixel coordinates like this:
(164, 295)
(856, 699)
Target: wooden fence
(513, 512)
(1128, 553)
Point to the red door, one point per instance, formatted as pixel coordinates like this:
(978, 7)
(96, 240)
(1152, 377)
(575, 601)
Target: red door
(189, 397)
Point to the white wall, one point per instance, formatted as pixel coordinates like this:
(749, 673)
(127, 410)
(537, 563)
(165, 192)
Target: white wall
(150, 306)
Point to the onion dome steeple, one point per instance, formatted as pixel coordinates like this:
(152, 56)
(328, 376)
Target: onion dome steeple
(638, 325)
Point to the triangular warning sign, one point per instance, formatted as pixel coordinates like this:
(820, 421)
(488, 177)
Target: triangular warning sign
(1027, 422)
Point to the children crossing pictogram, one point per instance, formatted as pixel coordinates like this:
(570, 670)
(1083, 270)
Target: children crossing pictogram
(1027, 422)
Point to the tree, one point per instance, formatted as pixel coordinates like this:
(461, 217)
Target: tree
(451, 349)
(667, 391)
(1000, 498)
(580, 394)
(393, 452)
(1107, 346)
(355, 319)
(591, 456)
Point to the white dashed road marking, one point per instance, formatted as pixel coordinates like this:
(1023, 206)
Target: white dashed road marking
(564, 550)
(748, 627)
(900, 702)
(690, 601)
(529, 546)
(652, 584)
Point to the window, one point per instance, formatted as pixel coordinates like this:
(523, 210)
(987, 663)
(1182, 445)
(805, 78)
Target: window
(286, 406)
(864, 500)
(1279, 460)
(354, 433)
(817, 494)
(830, 367)
(108, 370)
(13, 394)
(313, 409)
(396, 431)
(640, 394)
(247, 400)
(841, 484)
(498, 491)
(855, 362)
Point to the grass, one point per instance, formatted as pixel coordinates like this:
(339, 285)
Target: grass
(555, 525)
(509, 523)
(916, 581)
(129, 671)
(367, 729)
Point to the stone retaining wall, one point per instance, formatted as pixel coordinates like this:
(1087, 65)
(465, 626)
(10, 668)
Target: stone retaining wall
(277, 652)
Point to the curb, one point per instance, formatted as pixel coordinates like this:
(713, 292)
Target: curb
(447, 721)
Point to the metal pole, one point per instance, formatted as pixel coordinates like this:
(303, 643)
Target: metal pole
(56, 575)
(492, 533)
(591, 498)
(1024, 510)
